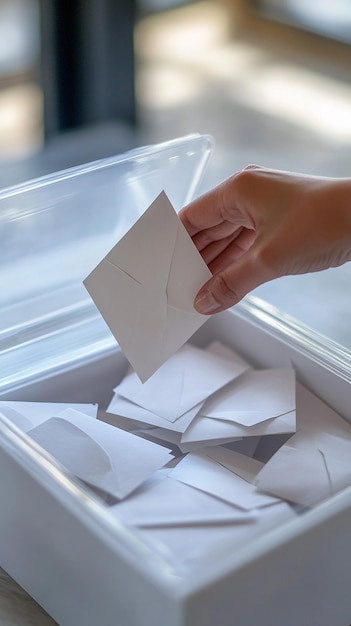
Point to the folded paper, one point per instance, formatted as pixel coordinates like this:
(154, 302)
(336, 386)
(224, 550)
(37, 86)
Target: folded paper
(26, 414)
(195, 546)
(257, 396)
(200, 471)
(169, 502)
(106, 457)
(146, 285)
(313, 464)
(125, 408)
(75, 449)
(172, 437)
(167, 399)
(186, 380)
(244, 466)
(259, 402)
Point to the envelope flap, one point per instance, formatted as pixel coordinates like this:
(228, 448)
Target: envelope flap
(336, 452)
(182, 284)
(240, 464)
(73, 447)
(132, 458)
(284, 475)
(200, 471)
(161, 394)
(269, 392)
(145, 252)
(182, 382)
(247, 418)
(169, 502)
(128, 306)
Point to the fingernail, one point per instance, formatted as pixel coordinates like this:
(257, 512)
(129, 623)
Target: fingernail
(206, 304)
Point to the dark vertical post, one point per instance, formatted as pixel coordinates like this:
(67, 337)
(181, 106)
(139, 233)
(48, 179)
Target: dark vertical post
(87, 62)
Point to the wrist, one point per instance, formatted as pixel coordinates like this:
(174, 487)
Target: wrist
(337, 204)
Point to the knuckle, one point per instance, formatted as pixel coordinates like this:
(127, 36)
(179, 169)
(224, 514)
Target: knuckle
(244, 180)
(224, 290)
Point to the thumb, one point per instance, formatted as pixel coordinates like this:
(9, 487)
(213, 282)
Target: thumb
(229, 286)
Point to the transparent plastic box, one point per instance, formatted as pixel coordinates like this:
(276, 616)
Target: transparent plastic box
(54, 230)
(58, 540)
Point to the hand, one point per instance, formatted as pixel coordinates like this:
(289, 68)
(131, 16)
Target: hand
(261, 224)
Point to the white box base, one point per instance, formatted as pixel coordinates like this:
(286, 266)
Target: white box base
(60, 544)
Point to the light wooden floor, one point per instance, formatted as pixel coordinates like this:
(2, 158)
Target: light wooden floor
(17, 608)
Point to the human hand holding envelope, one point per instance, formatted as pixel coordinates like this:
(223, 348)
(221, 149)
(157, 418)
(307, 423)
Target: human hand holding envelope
(146, 285)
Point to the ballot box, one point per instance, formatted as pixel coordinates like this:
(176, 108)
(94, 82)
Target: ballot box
(59, 538)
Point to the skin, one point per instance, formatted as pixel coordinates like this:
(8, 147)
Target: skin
(261, 224)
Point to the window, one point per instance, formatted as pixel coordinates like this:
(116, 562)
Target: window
(331, 18)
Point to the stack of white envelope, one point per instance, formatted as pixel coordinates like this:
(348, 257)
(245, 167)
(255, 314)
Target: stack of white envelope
(206, 504)
(189, 505)
(216, 498)
(206, 396)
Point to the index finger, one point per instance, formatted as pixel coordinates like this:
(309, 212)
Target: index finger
(223, 204)
(203, 213)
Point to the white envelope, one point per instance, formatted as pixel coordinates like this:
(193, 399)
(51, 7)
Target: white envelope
(257, 396)
(219, 349)
(125, 408)
(168, 502)
(313, 413)
(189, 547)
(315, 462)
(146, 285)
(188, 378)
(244, 466)
(76, 450)
(309, 468)
(246, 446)
(200, 471)
(170, 436)
(266, 406)
(128, 461)
(35, 413)
(212, 429)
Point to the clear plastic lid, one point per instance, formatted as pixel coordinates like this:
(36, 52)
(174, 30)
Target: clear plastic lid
(55, 229)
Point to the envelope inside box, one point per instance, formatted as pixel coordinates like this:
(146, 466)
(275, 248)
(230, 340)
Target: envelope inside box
(211, 495)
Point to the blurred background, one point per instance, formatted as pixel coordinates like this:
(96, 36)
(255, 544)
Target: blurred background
(269, 79)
